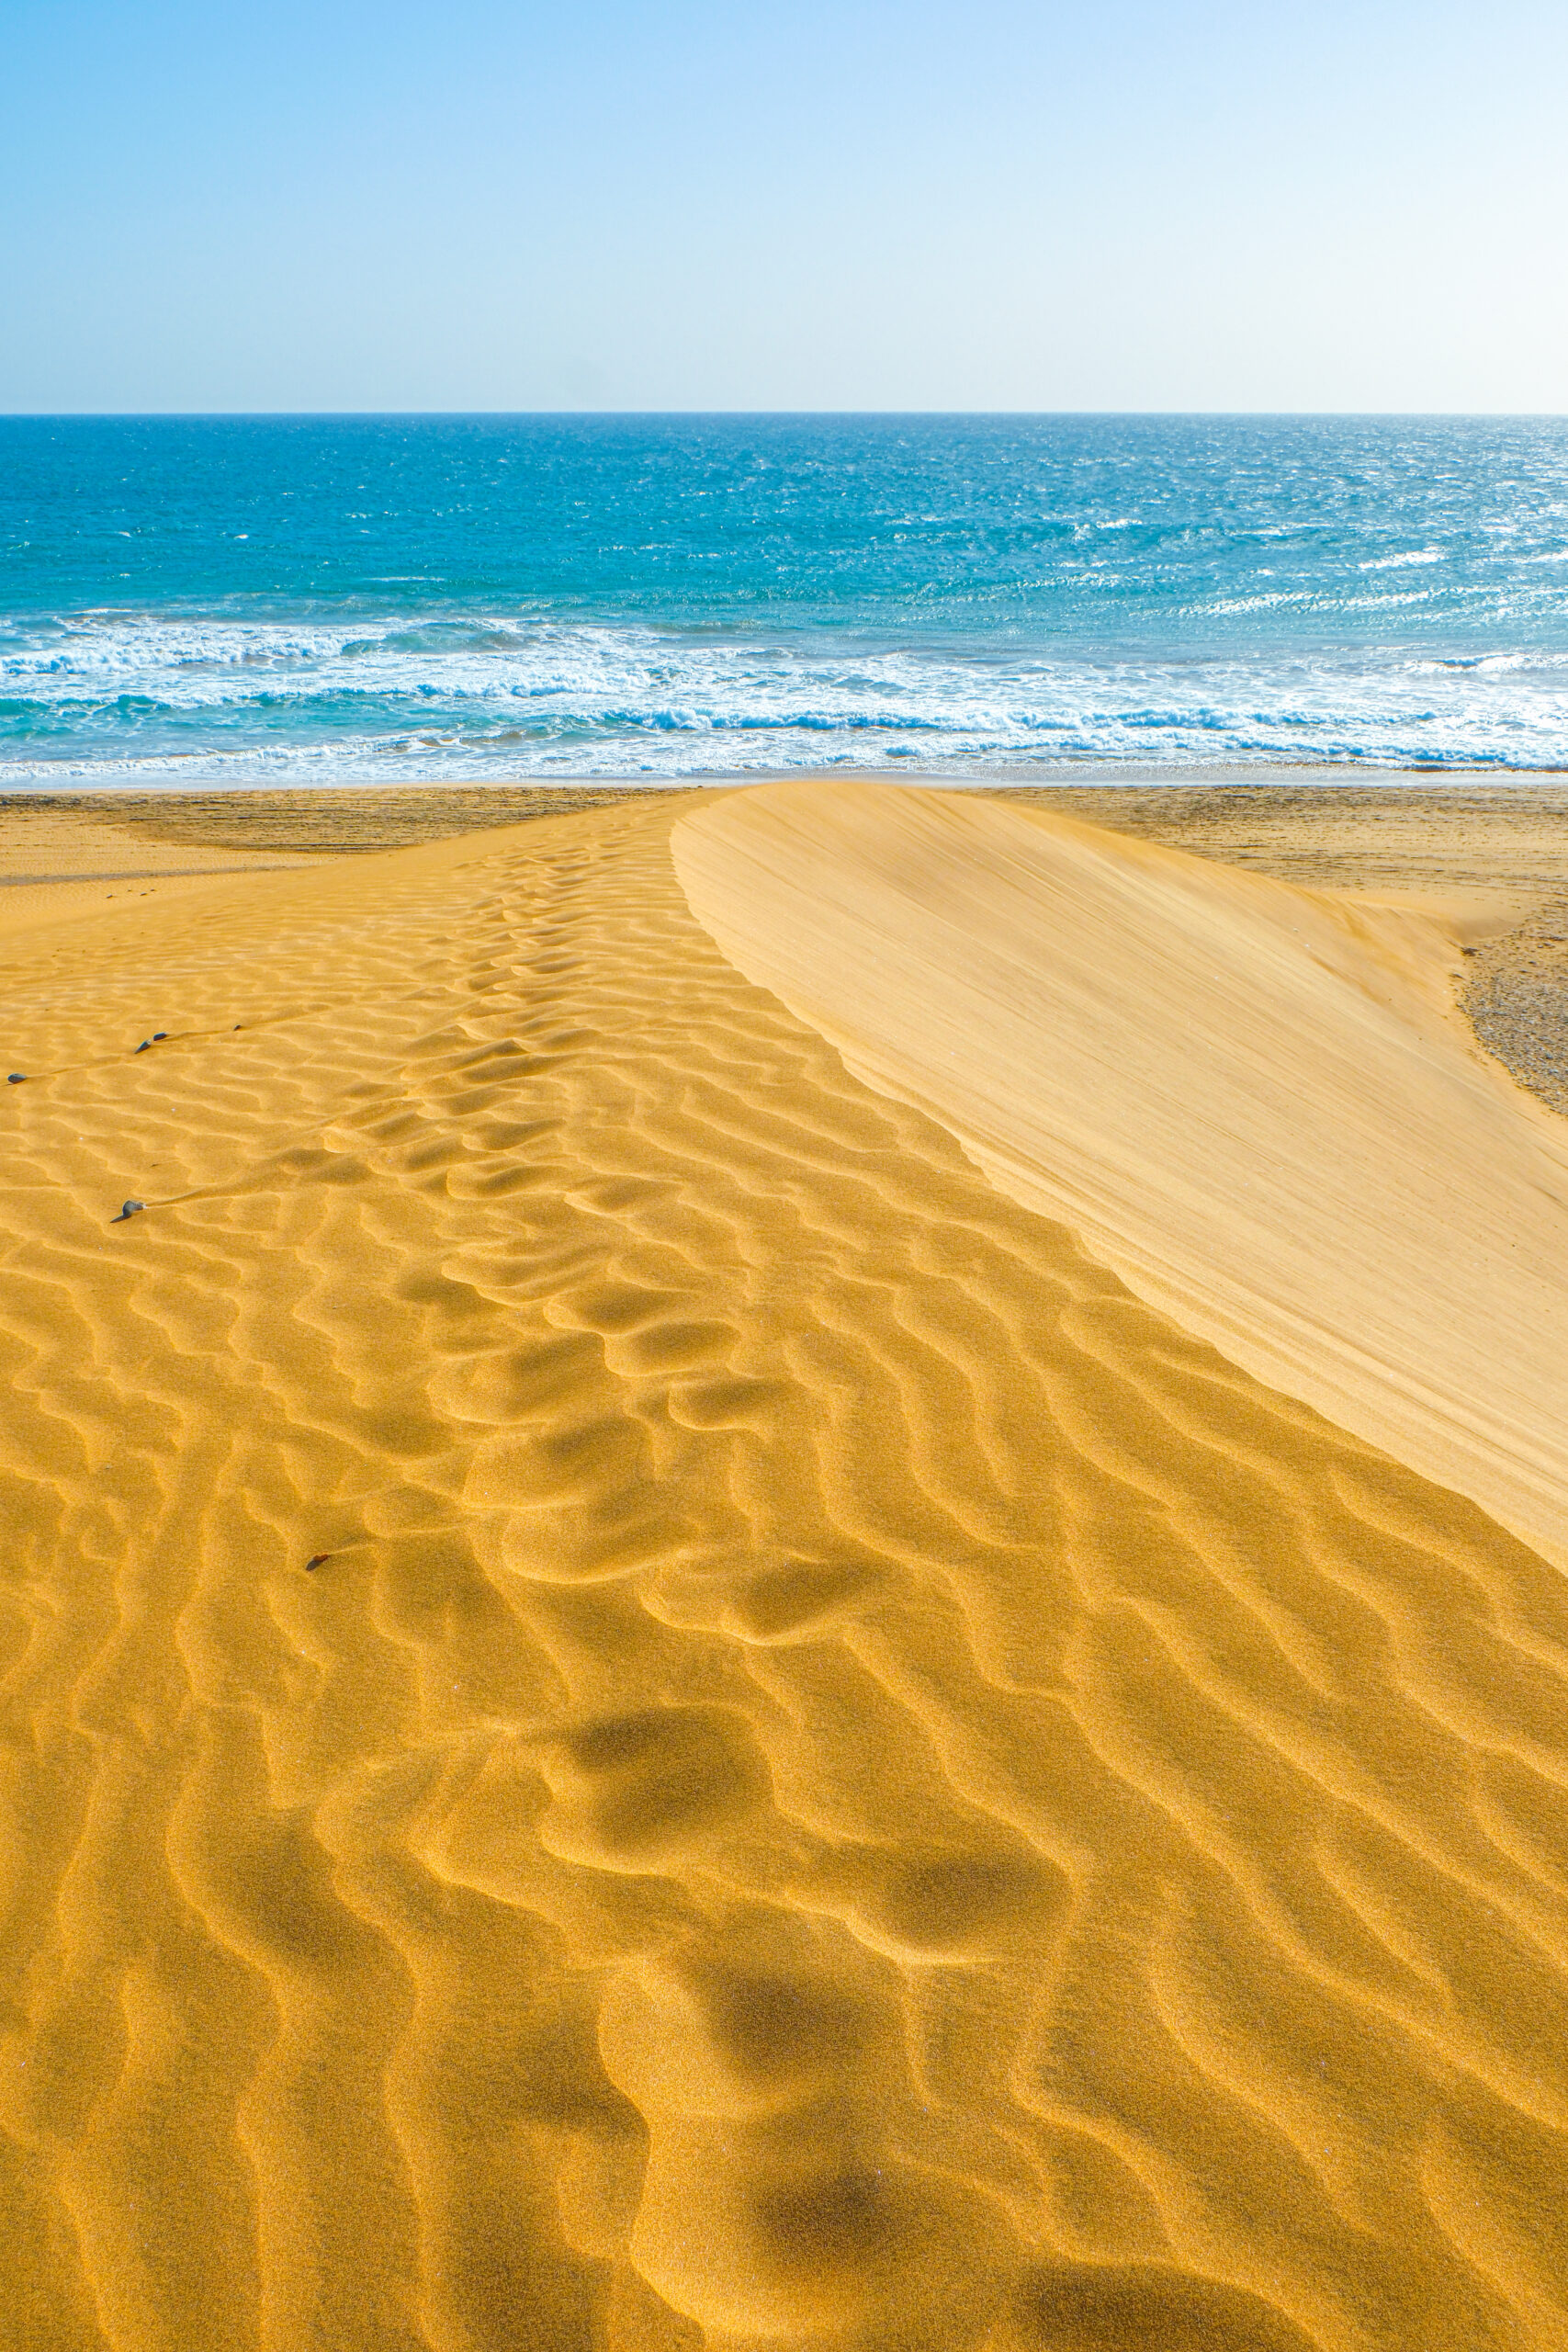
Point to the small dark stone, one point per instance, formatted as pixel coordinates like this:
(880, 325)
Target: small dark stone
(158, 1035)
(144, 1046)
(131, 1208)
(16, 1078)
(316, 1561)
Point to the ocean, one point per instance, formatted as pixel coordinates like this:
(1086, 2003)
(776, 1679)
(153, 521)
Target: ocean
(291, 601)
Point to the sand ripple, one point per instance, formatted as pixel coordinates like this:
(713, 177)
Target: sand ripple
(640, 1714)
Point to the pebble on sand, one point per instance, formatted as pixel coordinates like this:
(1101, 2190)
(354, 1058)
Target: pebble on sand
(131, 1209)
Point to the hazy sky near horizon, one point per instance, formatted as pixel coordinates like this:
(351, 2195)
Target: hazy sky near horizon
(1140, 204)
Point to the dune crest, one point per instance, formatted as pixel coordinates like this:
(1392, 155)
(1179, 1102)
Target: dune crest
(639, 1715)
(1248, 1099)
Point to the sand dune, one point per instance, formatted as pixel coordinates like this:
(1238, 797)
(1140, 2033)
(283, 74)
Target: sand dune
(1251, 1101)
(642, 1712)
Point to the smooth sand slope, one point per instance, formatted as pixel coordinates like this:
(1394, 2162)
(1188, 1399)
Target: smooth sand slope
(1253, 1102)
(639, 1713)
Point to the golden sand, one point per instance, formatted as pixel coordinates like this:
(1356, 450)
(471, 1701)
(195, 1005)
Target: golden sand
(667, 1688)
(1252, 1101)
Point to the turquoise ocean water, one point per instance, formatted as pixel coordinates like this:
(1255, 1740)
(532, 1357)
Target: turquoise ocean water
(294, 601)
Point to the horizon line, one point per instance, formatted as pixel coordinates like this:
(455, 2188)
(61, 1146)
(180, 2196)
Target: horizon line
(188, 416)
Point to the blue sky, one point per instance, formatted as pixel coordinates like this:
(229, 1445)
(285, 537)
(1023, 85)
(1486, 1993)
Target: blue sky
(488, 206)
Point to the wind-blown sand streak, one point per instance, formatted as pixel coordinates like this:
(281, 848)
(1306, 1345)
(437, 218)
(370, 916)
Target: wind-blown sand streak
(640, 1714)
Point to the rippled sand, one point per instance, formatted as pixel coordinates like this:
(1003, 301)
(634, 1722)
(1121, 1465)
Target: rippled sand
(792, 1592)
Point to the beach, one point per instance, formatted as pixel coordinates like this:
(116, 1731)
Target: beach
(785, 1567)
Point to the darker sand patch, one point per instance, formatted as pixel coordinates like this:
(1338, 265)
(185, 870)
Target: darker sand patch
(335, 819)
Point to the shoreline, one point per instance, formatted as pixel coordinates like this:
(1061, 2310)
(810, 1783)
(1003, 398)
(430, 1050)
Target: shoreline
(1066, 774)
